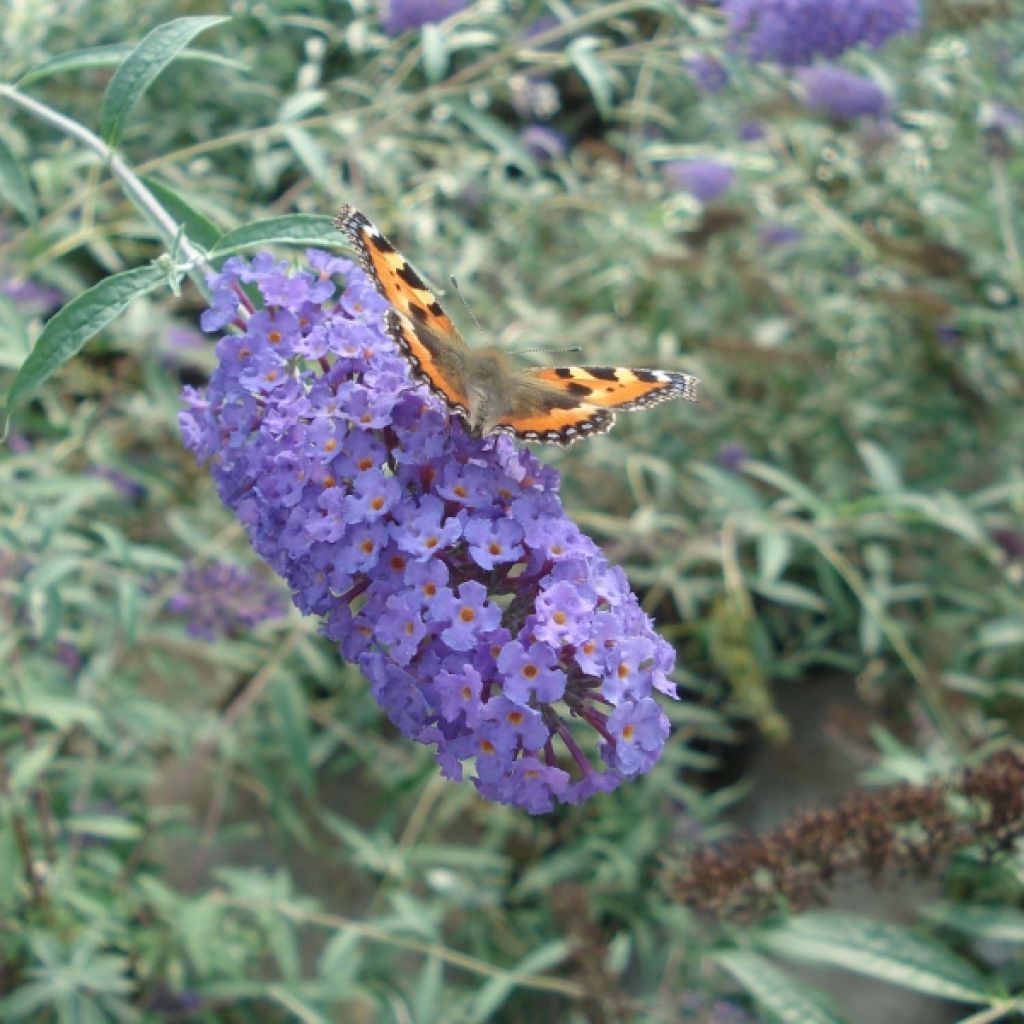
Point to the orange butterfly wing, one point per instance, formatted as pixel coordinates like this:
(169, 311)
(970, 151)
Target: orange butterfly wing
(566, 403)
(614, 387)
(557, 424)
(422, 330)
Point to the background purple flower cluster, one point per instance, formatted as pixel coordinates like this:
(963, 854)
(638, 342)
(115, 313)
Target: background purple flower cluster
(444, 566)
(794, 32)
(221, 599)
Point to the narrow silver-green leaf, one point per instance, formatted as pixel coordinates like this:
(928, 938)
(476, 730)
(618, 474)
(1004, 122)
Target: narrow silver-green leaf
(774, 551)
(775, 477)
(881, 468)
(791, 1001)
(293, 229)
(789, 594)
(103, 826)
(984, 921)
(15, 188)
(434, 41)
(72, 326)
(142, 66)
(14, 339)
(886, 951)
(109, 57)
(495, 134)
(490, 998)
(591, 69)
(32, 763)
(199, 228)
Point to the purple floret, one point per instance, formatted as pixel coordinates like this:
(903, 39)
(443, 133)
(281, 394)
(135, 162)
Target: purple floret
(488, 625)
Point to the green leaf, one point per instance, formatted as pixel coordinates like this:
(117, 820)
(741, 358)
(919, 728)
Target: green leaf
(14, 339)
(434, 41)
(790, 594)
(298, 1009)
(731, 490)
(61, 712)
(32, 764)
(881, 950)
(293, 229)
(1001, 633)
(775, 477)
(15, 186)
(994, 923)
(72, 326)
(428, 993)
(142, 66)
(25, 1000)
(103, 826)
(497, 990)
(290, 706)
(592, 71)
(199, 228)
(774, 552)
(109, 57)
(781, 995)
(882, 470)
(495, 134)
(341, 961)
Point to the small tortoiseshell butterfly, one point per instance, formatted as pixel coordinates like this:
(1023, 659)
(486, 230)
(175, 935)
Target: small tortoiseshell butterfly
(482, 385)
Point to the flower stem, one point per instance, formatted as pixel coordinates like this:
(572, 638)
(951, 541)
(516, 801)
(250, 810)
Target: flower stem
(132, 184)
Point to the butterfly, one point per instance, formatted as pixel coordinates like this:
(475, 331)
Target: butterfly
(483, 385)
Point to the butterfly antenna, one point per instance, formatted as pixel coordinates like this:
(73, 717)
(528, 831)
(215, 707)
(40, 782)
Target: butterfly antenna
(549, 351)
(458, 291)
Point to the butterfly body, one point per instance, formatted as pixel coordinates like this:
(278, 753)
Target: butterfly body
(483, 385)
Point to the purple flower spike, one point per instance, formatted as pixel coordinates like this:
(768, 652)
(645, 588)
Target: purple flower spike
(706, 180)
(444, 566)
(543, 143)
(842, 94)
(709, 73)
(398, 16)
(222, 600)
(794, 32)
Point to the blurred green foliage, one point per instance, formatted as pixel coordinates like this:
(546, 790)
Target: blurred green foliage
(230, 831)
